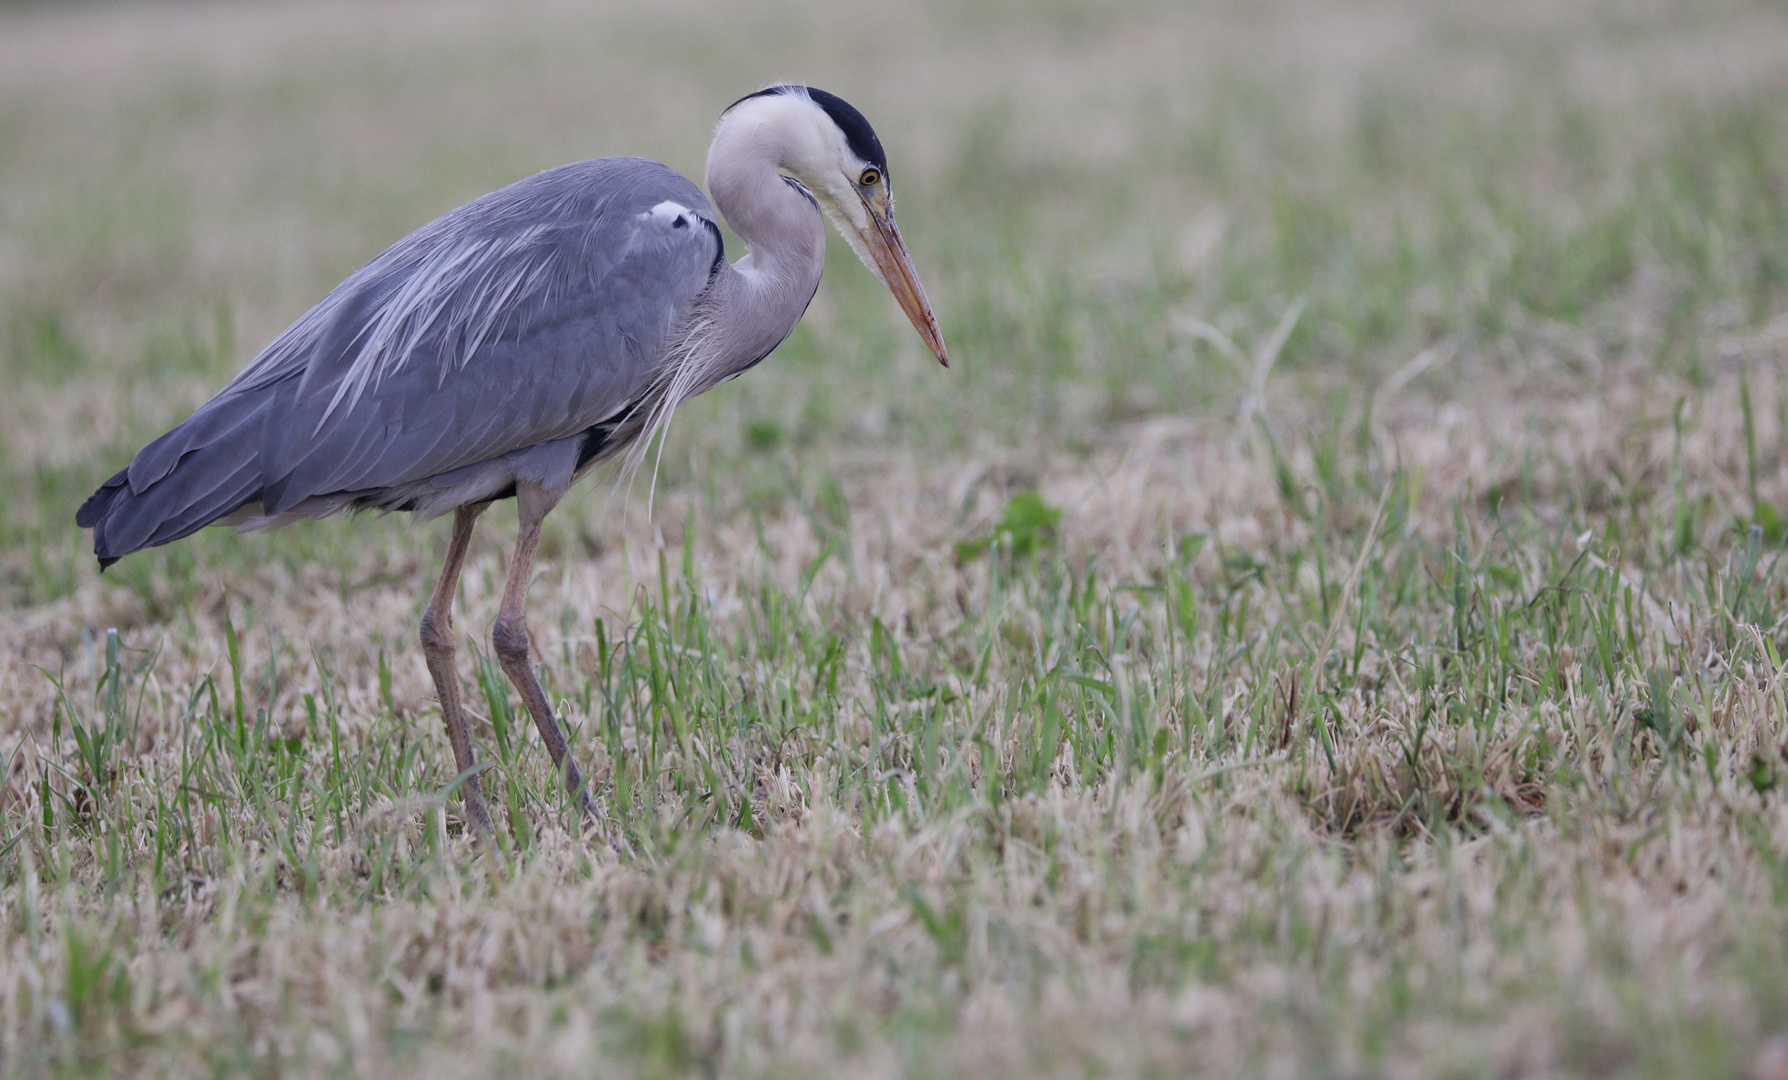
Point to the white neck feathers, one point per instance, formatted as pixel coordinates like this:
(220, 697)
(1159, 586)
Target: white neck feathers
(755, 302)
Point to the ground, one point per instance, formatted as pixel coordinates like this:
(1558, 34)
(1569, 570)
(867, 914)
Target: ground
(1328, 621)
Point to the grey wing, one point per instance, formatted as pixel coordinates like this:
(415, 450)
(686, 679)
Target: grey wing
(527, 316)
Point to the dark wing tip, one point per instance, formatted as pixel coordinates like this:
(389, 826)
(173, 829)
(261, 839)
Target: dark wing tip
(93, 512)
(97, 503)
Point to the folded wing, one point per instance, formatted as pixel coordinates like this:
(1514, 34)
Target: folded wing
(525, 317)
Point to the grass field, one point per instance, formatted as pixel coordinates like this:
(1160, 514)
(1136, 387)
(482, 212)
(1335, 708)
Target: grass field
(1328, 623)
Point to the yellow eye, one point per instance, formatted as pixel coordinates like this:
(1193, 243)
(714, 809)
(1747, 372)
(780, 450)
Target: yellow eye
(869, 178)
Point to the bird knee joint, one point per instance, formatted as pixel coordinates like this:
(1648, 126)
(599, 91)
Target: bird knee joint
(434, 635)
(510, 639)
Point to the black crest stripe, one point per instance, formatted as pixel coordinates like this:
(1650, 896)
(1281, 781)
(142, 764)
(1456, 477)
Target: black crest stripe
(765, 92)
(857, 132)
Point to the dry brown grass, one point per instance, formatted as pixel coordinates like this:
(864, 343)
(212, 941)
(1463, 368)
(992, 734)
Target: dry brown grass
(1411, 704)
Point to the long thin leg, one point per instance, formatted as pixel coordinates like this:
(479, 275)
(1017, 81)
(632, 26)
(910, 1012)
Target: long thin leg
(438, 647)
(509, 637)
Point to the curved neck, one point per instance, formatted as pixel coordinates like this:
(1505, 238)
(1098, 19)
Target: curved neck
(758, 300)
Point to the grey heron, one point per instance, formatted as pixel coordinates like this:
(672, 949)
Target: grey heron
(506, 348)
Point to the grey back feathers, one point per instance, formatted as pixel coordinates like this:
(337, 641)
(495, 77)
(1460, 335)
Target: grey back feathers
(529, 316)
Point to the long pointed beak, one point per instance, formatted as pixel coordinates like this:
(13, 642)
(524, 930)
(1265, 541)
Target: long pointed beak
(896, 266)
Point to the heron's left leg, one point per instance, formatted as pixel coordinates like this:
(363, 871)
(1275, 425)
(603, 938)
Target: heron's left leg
(509, 637)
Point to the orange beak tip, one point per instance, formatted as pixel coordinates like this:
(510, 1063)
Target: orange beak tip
(895, 267)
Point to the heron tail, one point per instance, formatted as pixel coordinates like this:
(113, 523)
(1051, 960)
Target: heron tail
(206, 469)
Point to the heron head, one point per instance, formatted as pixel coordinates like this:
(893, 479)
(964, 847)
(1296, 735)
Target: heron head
(830, 149)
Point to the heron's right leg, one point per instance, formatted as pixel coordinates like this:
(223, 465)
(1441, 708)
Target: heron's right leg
(438, 648)
(509, 637)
